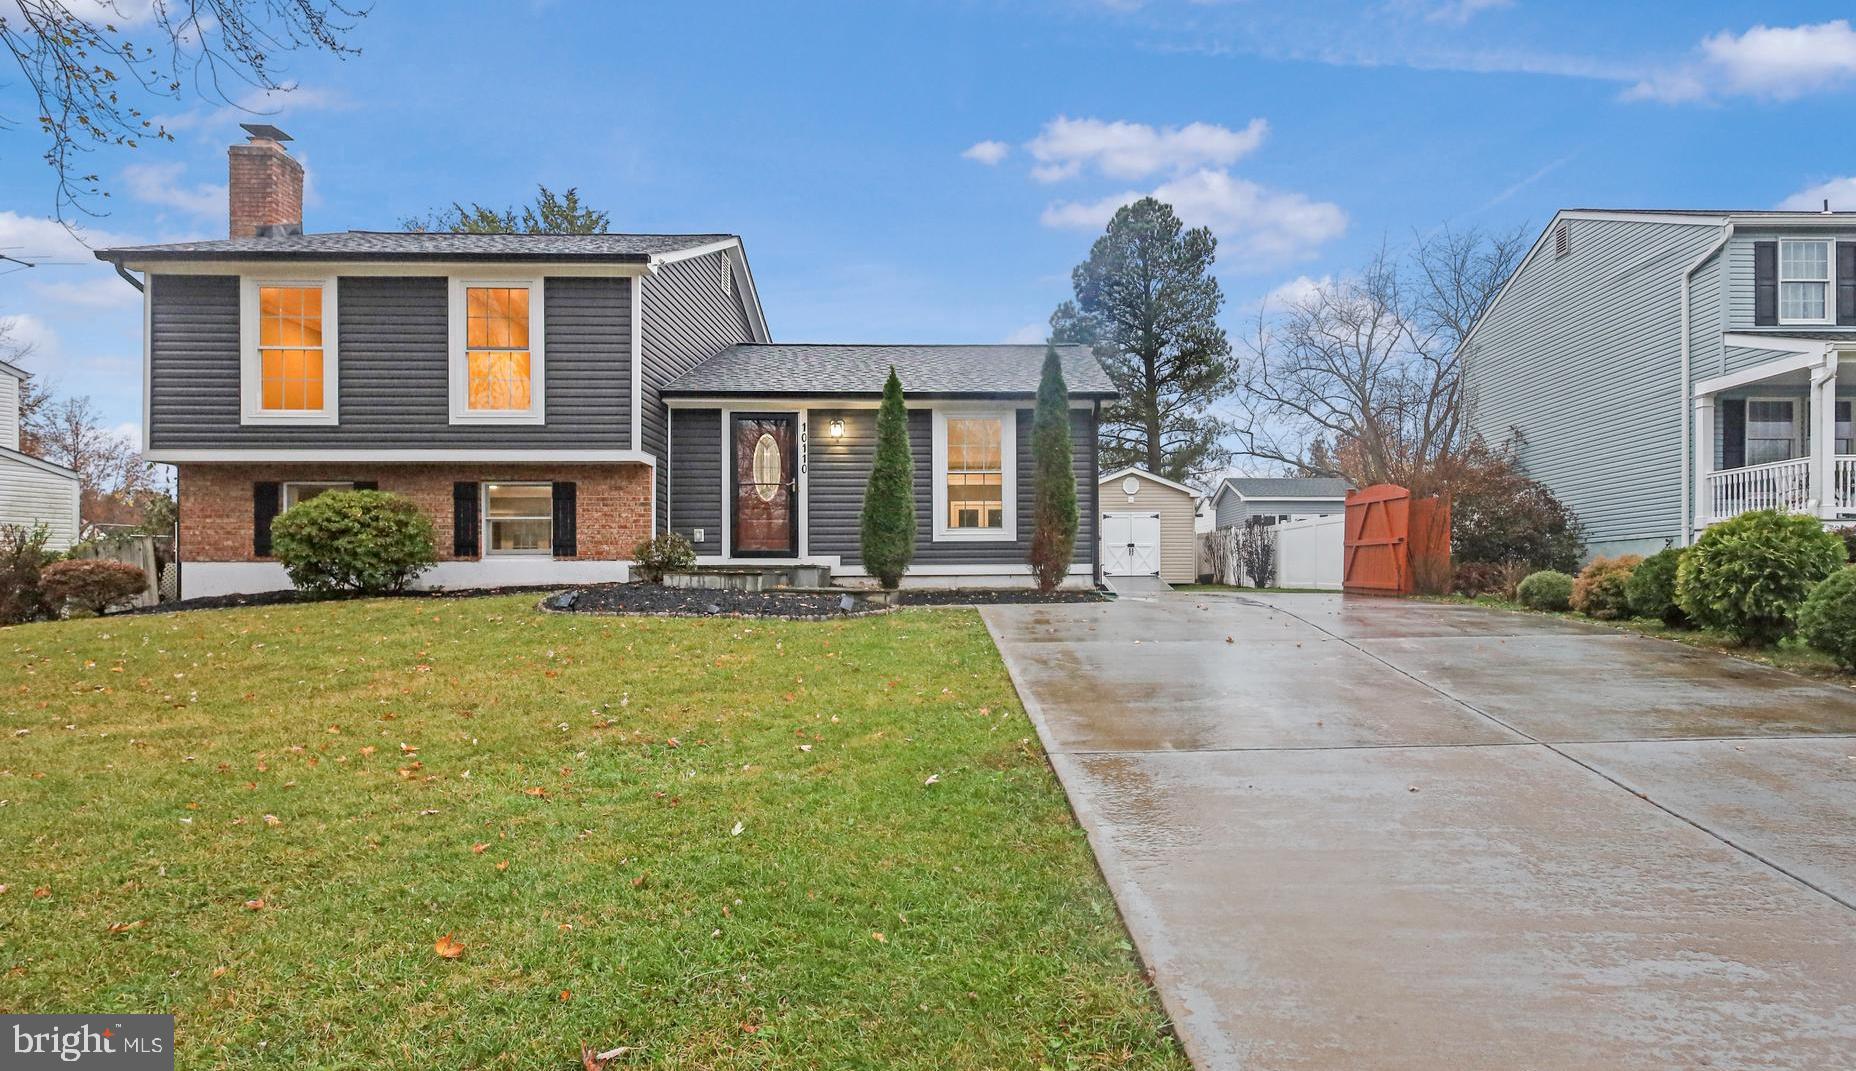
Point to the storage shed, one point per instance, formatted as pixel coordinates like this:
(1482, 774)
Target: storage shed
(1146, 524)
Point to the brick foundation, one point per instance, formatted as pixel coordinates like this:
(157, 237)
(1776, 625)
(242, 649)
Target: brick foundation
(613, 507)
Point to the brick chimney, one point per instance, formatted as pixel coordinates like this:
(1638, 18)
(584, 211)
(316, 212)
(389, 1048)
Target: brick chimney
(265, 185)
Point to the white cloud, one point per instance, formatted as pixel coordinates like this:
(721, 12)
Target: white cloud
(1250, 219)
(161, 184)
(1125, 150)
(33, 334)
(1840, 192)
(987, 152)
(1448, 12)
(1769, 62)
(101, 292)
(1029, 335)
(1295, 291)
(38, 238)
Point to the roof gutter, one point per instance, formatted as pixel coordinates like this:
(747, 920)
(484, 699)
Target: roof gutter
(124, 272)
(1688, 275)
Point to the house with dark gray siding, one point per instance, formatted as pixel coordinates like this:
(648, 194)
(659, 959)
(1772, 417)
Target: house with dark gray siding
(1664, 370)
(552, 400)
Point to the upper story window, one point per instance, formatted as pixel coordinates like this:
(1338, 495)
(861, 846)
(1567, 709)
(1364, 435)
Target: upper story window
(974, 469)
(496, 351)
(1804, 282)
(288, 361)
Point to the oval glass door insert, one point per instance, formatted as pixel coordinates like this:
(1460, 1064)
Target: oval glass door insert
(766, 467)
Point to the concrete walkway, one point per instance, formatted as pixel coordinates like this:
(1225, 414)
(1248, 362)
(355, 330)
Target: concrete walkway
(1374, 834)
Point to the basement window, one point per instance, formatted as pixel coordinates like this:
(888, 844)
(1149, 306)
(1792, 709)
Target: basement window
(518, 518)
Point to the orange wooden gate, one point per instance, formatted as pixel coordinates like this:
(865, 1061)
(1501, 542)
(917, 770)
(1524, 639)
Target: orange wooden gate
(1395, 544)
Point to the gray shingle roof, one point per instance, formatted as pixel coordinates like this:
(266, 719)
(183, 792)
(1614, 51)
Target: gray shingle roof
(808, 369)
(410, 245)
(1287, 486)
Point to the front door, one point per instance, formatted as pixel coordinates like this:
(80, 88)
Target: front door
(766, 512)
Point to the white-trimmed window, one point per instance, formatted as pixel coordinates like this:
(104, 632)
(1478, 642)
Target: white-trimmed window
(1846, 428)
(975, 469)
(287, 351)
(1804, 282)
(497, 363)
(1771, 430)
(518, 518)
(298, 493)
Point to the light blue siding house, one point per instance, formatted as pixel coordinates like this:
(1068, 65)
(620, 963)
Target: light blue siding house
(1664, 370)
(1276, 498)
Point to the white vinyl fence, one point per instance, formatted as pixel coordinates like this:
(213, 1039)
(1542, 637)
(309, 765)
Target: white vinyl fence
(1309, 552)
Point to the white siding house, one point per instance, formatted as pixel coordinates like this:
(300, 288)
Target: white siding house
(32, 492)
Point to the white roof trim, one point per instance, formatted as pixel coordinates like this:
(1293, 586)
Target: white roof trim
(1794, 361)
(14, 370)
(1780, 343)
(1136, 470)
(363, 456)
(744, 277)
(9, 454)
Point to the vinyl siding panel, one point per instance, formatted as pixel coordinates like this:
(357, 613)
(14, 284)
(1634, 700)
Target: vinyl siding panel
(1179, 545)
(696, 477)
(839, 468)
(30, 496)
(690, 314)
(393, 349)
(1706, 355)
(1230, 511)
(9, 411)
(1235, 511)
(1736, 358)
(1582, 357)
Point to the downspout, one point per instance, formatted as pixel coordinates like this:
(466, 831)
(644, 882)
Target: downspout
(124, 272)
(1688, 468)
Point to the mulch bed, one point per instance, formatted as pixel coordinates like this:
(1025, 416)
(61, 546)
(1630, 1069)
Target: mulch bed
(676, 602)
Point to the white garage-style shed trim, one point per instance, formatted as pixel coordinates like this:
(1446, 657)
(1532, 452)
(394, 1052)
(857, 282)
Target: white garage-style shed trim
(1146, 525)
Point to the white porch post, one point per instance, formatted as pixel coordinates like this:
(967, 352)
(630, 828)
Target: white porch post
(1704, 461)
(1824, 434)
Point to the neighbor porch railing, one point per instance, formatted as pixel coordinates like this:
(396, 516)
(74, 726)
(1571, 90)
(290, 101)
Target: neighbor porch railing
(1780, 485)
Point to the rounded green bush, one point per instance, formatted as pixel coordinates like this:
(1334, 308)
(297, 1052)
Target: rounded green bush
(1827, 621)
(353, 541)
(1549, 589)
(1651, 590)
(1599, 591)
(1749, 575)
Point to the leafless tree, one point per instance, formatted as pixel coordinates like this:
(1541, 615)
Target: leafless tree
(1257, 552)
(15, 350)
(1361, 378)
(114, 482)
(92, 64)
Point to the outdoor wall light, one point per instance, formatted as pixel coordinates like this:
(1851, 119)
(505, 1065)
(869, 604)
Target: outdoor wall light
(837, 429)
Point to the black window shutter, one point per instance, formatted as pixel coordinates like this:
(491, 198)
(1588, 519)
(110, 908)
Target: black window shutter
(366, 485)
(1766, 284)
(1733, 433)
(1846, 284)
(464, 524)
(566, 538)
(264, 497)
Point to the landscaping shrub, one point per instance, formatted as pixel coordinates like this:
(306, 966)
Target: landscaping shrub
(1053, 517)
(887, 528)
(1651, 590)
(667, 553)
(93, 584)
(1498, 514)
(1548, 589)
(1749, 575)
(1848, 534)
(22, 558)
(1501, 579)
(1600, 590)
(1256, 552)
(369, 542)
(1827, 620)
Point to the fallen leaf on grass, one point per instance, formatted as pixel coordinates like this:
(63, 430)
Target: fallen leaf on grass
(597, 1061)
(736, 832)
(447, 948)
(503, 865)
(637, 882)
(877, 936)
(479, 849)
(254, 905)
(566, 995)
(537, 792)
(273, 821)
(933, 779)
(125, 927)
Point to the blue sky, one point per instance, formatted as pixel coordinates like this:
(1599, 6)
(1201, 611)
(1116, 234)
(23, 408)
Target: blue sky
(840, 141)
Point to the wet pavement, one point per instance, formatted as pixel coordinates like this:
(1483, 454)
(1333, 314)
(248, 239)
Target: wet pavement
(1356, 833)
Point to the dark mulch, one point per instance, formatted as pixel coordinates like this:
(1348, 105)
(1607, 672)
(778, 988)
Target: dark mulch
(285, 598)
(706, 602)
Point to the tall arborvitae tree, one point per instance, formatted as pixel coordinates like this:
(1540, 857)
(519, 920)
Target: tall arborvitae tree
(888, 524)
(1053, 519)
(1147, 301)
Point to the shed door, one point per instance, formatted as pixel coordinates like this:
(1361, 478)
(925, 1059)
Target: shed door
(1131, 544)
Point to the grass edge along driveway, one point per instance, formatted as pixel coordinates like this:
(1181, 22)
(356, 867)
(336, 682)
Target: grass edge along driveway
(719, 843)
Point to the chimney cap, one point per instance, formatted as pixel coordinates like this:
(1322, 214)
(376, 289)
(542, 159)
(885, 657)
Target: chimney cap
(264, 131)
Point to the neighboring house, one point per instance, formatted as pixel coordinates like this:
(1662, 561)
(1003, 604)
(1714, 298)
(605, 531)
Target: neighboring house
(1146, 525)
(33, 492)
(1669, 369)
(551, 400)
(1238, 499)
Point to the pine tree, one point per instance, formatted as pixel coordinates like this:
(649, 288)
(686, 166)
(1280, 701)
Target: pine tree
(888, 523)
(1053, 525)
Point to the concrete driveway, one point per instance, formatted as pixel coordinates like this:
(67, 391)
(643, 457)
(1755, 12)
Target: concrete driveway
(1373, 834)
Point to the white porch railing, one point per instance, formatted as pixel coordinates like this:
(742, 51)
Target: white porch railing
(1843, 482)
(1780, 485)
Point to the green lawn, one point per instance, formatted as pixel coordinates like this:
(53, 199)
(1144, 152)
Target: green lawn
(712, 841)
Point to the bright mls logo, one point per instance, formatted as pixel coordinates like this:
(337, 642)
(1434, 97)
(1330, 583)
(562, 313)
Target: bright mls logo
(116, 1042)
